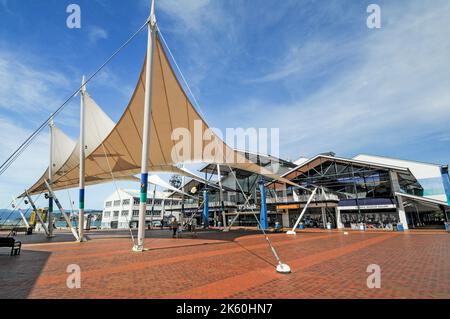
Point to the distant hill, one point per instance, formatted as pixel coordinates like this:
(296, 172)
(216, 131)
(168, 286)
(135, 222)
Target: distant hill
(6, 215)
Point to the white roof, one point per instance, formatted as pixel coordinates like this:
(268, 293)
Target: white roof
(424, 199)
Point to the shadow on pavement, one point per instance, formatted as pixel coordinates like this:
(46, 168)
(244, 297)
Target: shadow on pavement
(18, 274)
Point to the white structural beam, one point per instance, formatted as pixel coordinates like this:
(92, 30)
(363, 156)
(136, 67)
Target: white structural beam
(139, 246)
(20, 212)
(226, 229)
(82, 163)
(400, 208)
(281, 267)
(37, 213)
(292, 232)
(339, 219)
(63, 212)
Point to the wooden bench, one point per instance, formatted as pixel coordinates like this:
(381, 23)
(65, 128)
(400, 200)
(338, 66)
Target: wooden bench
(16, 246)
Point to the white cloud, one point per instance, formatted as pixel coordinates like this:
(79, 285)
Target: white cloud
(27, 167)
(27, 87)
(396, 93)
(96, 33)
(190, 14)
(303, 60)
(30, 90)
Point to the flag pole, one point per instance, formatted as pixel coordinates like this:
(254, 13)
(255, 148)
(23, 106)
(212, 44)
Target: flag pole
(139, 246)
(82, 164)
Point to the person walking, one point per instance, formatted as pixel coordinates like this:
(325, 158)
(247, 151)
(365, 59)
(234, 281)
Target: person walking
(174, 227)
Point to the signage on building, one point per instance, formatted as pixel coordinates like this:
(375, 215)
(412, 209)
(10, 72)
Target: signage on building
(292, 206)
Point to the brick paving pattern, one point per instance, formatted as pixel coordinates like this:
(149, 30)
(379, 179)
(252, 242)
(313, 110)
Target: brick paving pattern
(325, 264)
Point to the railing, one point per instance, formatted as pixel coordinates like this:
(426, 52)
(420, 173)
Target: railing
(194, 206)
(302, 198)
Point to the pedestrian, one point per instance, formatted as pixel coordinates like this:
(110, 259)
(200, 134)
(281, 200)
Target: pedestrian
(174, 227)
(162, 224)
(193, 225)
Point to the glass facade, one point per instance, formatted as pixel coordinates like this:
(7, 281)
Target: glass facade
(446, 181)
(365, 192)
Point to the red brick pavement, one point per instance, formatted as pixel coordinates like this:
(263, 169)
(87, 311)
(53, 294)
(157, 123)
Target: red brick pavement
(324, 264)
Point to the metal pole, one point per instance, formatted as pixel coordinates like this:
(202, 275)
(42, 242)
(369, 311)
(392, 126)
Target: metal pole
(281, 268)
(63, 212)
(37, 213)
(153, 207)
(292, 232)
(139, 246)
(50, 178)
(182, 198)
(20, 212)
(263, 210)
(82, 162)
(222, 205)
(205, 215)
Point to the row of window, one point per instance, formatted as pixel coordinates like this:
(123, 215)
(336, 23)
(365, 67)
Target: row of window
(148, 213)
(136, 201)
(117, 203)
(125, 213)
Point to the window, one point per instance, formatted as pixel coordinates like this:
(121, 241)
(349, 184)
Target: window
(126, 202)
(107, 214)
(116, 213)
(135, 213)
(124, 213)
(117, 203)
(158, 202)
(108, 204)
(136, 201)
(156, 213)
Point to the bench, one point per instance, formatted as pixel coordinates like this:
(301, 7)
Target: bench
(16, 246)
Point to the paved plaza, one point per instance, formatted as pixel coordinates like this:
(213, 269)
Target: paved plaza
(239, 264)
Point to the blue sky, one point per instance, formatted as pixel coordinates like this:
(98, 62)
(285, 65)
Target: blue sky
(311, 68)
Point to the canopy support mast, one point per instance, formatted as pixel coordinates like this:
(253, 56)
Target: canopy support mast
(82, 164)
(139, 246)
(50, 178)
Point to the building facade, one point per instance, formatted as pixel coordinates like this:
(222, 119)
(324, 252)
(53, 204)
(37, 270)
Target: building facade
(121, 209)
(367, 192)
(433, 178)
(361, 192)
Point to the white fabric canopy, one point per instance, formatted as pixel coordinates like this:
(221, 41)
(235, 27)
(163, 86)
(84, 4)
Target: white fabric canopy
(63, 146)
(117, 149)
(158, 181)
